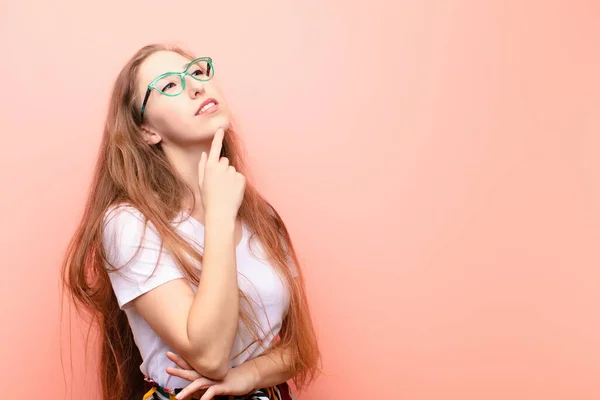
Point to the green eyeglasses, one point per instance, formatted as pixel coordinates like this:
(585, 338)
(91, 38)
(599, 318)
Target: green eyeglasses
(173, 83)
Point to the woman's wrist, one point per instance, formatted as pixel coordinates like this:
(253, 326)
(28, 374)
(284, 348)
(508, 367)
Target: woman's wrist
(251, 371)
(219, 217)
(220, 222)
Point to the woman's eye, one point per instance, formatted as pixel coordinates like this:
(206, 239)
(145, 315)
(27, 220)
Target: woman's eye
(168, 86)
(198, 72)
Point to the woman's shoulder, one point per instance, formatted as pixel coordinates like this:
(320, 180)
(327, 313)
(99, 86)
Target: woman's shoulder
(125, 227)
(123, 216)
(122, 210)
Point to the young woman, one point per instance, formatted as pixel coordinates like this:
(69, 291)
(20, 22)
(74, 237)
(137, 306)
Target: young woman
(189, 273)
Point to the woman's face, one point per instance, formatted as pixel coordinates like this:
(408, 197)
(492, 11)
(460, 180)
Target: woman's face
(178, 120)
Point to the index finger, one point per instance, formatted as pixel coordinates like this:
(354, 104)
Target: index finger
(215, 147)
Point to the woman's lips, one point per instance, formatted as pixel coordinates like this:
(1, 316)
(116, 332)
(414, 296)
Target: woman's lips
(213, 106)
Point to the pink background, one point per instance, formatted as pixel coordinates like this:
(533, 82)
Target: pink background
(435, 161)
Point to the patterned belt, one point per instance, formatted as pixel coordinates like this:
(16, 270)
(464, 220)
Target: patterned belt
(279, 392)
(154, 390)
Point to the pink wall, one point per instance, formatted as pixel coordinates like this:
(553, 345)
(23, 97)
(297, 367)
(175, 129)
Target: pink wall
(435, 161)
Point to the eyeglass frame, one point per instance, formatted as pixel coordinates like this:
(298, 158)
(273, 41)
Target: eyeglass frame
(152, 85)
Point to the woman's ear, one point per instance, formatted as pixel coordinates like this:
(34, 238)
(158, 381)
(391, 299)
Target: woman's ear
(150, 137)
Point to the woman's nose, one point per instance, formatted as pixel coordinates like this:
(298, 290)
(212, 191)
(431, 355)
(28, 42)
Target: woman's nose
(195, 88)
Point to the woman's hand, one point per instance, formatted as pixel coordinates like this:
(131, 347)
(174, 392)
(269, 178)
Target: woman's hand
(221, 186)
(186, 372)
(238, 381)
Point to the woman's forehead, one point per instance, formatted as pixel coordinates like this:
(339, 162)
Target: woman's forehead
(159, 63)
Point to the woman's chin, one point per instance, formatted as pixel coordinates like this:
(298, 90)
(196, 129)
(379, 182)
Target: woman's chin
(216, 122)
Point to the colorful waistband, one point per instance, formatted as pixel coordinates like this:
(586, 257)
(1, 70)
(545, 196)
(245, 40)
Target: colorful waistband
(279, 392)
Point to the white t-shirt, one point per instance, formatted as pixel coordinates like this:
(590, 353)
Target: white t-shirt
(257, 278)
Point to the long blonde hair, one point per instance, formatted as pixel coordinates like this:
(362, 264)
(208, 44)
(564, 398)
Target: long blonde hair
(130, 171)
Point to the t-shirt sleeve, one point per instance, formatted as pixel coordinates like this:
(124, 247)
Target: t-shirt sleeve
(133, 274)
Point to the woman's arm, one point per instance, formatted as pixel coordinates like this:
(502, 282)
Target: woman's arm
(263, 371)
(201, 326)
(269, 369)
